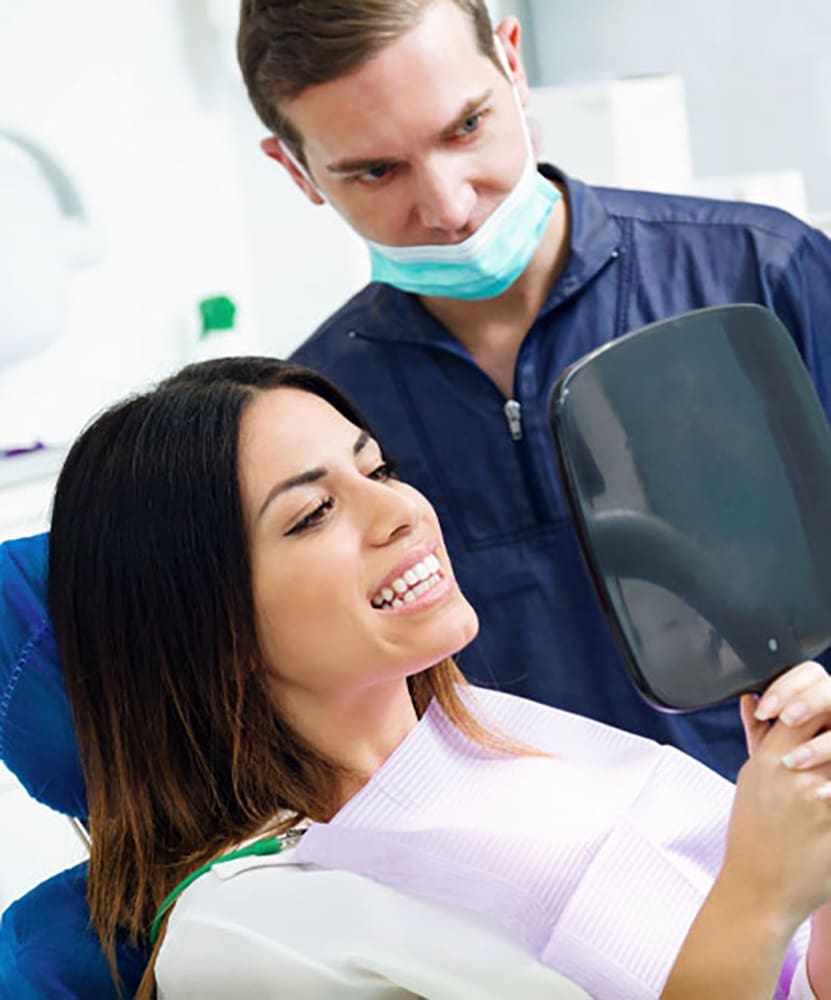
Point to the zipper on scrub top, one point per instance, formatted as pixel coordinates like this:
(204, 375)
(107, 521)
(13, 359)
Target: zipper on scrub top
(513, 414)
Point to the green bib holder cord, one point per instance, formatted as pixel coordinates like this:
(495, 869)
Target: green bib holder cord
(268, 845)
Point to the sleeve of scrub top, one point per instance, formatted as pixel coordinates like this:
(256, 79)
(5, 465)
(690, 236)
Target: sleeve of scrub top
(802, 299)
(277, 930)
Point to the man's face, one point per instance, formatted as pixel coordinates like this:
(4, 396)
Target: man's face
(420, 144)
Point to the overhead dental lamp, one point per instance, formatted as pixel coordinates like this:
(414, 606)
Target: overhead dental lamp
(45, 234)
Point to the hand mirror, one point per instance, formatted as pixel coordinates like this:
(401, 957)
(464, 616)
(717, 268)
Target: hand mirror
(696, 459)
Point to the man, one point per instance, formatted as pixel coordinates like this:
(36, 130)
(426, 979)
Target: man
(406, 116)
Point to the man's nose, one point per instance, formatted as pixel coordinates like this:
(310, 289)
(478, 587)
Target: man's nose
(445, 199)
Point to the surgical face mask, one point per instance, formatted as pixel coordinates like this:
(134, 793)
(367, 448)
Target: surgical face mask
(487, 262)
(490, 260)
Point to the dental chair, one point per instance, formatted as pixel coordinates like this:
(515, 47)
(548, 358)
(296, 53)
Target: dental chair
(47, 945)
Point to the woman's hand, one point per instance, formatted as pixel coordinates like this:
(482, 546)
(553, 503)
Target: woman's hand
(779, 840)
(798, 697)
(777, 862)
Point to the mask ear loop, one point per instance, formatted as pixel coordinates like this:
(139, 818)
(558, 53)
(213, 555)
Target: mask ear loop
(502, 55)
(506, 66)
(298, 166)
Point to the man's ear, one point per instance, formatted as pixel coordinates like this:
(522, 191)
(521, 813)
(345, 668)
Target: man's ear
(274, 150)
(508, 32)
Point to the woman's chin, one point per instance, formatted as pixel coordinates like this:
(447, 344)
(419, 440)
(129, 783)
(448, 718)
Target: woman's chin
(464, 627)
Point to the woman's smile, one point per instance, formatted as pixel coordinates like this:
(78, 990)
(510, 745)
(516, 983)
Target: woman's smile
(410, 581)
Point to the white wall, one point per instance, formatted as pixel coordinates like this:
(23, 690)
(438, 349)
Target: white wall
(103, 86)
(503, 8)
(757, 73)
(143, 105)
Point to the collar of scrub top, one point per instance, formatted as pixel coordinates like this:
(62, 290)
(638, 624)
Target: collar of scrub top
(696, 458)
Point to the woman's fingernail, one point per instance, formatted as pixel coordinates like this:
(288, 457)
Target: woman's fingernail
(794, 713)
(766, 707)
(824, 791)
(797, 758)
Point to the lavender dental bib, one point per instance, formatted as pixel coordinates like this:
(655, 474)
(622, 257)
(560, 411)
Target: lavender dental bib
(596, 859)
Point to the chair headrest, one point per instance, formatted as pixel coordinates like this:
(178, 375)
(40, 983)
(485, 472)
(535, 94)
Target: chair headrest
(49, 949)
(37, 736)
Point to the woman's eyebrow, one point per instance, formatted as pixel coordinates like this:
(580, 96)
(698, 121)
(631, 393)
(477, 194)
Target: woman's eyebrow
(309, 476)
(363, 439)
(301, 479)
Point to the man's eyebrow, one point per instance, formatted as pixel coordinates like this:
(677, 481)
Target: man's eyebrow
(309, 476)
(363, 165)
(341, 167)
(470, 109)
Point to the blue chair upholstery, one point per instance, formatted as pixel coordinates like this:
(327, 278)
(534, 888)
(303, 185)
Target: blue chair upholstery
(37, 738)
(48, 949)
(47, 946)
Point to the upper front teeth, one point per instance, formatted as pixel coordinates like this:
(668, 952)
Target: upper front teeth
(419, 577)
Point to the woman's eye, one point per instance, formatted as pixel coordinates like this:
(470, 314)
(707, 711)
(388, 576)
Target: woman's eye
(313, 518)
(383, 472)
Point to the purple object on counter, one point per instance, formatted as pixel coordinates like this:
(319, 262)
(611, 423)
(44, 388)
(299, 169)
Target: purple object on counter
(596, 858)
(13, 452)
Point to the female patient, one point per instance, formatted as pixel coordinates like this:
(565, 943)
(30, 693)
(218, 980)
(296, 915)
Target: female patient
(255, 619)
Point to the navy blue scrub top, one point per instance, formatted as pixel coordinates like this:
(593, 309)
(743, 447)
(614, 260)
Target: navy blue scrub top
(634, 258)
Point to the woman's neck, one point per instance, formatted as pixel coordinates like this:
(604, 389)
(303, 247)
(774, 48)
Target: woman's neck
(357, 730)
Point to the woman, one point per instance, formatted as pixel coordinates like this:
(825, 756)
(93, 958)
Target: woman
(256, 617)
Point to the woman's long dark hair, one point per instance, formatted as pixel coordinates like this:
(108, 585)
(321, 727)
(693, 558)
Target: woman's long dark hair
(150, 594)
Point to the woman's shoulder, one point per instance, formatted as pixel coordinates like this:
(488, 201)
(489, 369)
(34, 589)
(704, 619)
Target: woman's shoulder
(269, 925)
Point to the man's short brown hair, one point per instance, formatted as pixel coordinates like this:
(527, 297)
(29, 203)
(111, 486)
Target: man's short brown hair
(285, 46)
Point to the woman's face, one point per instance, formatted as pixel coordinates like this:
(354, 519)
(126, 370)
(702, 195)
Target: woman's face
(352, 584)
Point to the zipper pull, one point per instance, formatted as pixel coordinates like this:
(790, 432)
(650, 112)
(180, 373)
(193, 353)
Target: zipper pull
(513, 414)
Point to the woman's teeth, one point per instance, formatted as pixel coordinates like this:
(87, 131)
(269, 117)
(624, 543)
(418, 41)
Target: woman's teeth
(406, 588)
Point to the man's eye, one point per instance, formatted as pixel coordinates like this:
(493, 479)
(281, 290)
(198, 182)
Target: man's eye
(375, 174)
(383, 472)
(313, 518)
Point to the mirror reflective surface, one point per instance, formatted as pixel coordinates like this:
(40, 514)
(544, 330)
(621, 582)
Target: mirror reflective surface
(697, 462)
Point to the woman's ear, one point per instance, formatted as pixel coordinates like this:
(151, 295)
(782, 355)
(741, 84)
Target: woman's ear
(275, 149)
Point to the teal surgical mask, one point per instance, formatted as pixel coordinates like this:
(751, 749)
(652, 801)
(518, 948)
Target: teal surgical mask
(487, 262)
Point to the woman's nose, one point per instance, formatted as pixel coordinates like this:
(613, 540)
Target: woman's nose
(396, 513)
